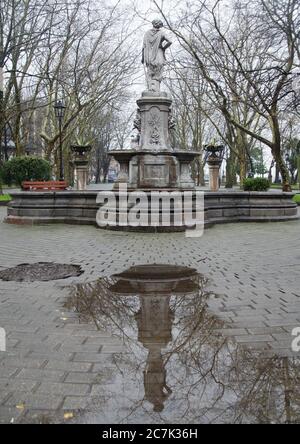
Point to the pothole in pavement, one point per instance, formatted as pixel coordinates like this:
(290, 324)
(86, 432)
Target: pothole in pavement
(40, 272)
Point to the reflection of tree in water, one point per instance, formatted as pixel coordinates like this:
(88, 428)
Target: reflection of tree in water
(267, 388)
(191, 373)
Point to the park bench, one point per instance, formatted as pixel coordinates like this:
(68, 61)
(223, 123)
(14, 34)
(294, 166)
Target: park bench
(39, 186)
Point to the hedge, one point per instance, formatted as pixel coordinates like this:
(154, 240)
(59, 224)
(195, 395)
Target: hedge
(20, 169)
(256, 184)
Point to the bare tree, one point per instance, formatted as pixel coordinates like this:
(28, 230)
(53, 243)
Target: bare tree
(80, 52)
(248, 57)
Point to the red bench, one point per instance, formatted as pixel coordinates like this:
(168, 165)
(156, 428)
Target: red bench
(51, 185)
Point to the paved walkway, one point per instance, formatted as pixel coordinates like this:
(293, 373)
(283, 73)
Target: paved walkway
(54, 365)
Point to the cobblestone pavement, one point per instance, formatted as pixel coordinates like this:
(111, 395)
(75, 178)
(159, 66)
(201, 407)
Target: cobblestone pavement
(52, 363)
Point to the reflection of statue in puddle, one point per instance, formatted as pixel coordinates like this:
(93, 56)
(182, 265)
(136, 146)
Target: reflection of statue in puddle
(154, 286)
(194, 371)
(154, 321)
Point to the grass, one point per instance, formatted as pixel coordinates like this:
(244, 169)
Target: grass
(296, 199)
(276, 186)
(5, 198)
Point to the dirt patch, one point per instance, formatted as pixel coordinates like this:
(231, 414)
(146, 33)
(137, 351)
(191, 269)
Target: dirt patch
(41, 271)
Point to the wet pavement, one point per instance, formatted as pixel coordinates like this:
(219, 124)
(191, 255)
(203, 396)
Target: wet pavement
(179, 364)
(158, 329)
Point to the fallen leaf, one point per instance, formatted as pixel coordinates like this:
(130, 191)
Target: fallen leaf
(20, 406)
(68, 415)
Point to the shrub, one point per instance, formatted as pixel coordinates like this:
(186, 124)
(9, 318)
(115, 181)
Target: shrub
(5, 198)
(296, 199)
(20, 169)
(256, 184)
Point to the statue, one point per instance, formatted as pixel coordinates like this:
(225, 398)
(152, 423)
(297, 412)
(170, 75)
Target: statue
(137, 123)
(154, 48)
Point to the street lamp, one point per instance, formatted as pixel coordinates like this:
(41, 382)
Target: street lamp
(59, 109)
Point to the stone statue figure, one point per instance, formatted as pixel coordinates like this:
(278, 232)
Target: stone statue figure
(154, 48)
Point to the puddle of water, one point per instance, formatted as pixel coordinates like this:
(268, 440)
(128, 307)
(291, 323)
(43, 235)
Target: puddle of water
(176, 366)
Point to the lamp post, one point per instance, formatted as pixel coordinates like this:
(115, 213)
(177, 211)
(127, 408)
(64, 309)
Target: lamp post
(59, 108)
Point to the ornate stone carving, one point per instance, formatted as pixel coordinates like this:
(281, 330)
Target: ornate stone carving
(171, 121)
(155, 124)
(137, 123)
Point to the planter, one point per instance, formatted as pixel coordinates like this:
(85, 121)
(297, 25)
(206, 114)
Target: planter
(214, 149)
(81, 151)
(80, 163)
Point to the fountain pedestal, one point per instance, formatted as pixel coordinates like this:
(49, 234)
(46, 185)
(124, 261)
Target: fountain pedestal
(155, 164)
(214, 165)
(214, 161)
(80, 163)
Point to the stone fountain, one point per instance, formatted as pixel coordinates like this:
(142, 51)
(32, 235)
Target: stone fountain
(152, 167)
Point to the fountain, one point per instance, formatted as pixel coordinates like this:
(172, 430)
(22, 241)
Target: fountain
(152, 168)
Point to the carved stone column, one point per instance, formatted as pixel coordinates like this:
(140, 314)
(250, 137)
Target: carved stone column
(185, 158)
(81, 163)
(155, 109)
(123, 157)
(214, 164)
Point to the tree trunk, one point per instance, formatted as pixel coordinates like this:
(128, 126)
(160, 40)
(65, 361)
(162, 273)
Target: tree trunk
(231, 171)
(243, 171)
(97, 166)
(201, 175)
(270, 171)
(277, 154)
(277, 174)
(241, 143)
(286, 181)
(198, 172)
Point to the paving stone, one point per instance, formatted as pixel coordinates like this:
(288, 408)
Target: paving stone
(91, 348)
(88, 357)
(81, 378)
(4, 395)
(75, 403)
(40, 375)
(35, 401)
(9, 415)
(232, 332)
(114, 349)
(61, 356)
(254, 338)
(69, 366)
(15, 362)
(63, 388)
(7, 372)
(17, 384)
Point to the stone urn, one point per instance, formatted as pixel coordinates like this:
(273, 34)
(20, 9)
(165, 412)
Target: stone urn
(214, 161)
(80, 162)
